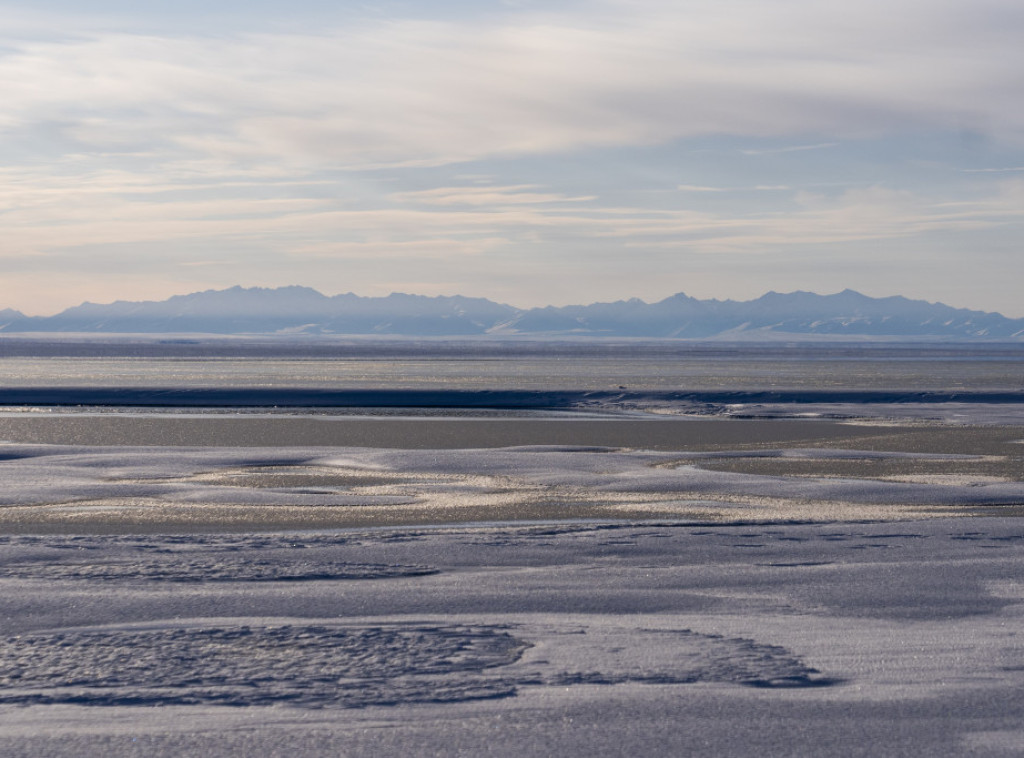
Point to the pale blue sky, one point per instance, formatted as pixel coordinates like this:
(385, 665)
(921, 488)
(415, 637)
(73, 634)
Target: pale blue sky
(533, 153)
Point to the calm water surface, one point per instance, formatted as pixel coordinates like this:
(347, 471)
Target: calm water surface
(240, 363)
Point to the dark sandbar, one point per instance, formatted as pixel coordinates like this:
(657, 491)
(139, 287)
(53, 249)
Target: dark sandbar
(411, 433)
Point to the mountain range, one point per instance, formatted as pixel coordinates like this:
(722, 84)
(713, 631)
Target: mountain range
(302, 310)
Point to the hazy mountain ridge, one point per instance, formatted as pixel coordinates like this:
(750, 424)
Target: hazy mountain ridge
(296, 309)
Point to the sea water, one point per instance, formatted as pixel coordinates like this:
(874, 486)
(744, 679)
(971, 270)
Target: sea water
(269, 363)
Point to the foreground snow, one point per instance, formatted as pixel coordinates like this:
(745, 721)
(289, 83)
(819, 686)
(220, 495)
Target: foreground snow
(839, 639)
(754, 611)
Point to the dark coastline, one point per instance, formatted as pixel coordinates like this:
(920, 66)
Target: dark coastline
(260, 397)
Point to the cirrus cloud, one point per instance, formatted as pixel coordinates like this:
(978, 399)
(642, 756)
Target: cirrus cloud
(418, 92)
(400, 148)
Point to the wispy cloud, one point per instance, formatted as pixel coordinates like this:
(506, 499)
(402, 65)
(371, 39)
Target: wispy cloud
(414, 92)
(756, 188)
(789, 149)
(432, 248)
(487, 195)
(426, 144)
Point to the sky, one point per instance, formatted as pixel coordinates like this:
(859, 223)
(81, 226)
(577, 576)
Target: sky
(533, 153)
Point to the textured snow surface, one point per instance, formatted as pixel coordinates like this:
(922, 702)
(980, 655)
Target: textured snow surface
(585, 639)
(717, 626)
(313, 664)
(70, 478)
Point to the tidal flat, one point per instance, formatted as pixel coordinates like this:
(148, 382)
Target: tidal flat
(115, 472)
(639, 573)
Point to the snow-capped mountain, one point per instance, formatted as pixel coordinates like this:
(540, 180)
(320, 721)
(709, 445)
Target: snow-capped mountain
(258, 310)
(847, 313)
(286, 310)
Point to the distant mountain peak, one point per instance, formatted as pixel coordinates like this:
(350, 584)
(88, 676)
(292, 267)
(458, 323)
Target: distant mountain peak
(298, 310)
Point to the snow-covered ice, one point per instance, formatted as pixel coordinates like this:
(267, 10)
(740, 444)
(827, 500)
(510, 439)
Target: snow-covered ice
(825, 596)
(580, 639)
(201, 488)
